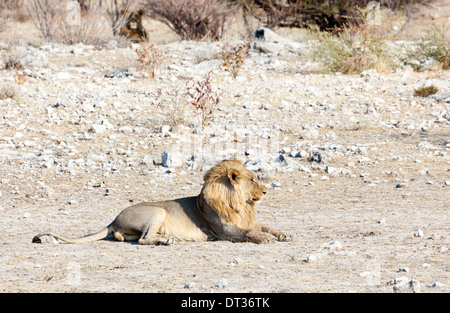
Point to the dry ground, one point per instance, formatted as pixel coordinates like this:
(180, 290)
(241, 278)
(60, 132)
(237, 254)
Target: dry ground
(392, 167)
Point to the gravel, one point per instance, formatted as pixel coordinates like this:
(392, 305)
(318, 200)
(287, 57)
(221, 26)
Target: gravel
(81, 140)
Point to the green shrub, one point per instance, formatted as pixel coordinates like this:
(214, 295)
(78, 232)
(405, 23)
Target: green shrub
(355, 47)
(435, 46)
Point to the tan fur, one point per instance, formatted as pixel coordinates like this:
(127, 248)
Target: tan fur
(134, 29)
(224, 210)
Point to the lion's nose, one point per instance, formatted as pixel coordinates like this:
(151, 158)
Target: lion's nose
(264, 192)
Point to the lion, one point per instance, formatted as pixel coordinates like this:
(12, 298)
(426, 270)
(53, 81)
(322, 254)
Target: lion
(134, 29)
(224, 210)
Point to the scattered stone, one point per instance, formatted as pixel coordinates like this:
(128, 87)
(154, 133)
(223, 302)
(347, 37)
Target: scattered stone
(172, 159)
(165, 130)
(311, 258)
(222, 283)
(118, 74)
(418, 233)
(405, 285)
(436, 284)
(99, 129)
(335, 245)
(414, 285)
(315, 156)
(189, 285)
(275, 185)
(404, 269)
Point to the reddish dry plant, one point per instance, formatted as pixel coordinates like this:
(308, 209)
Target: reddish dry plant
(203, 99)
(150, 57)
(234, 57)
(19, 76)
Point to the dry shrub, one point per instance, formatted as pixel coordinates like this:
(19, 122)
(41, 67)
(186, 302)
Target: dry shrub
(192, 19)
(150, 56)
(20, 77)
(203, 98)
(62, 21)
(435, 46)
(12, 10)
(425, 91)
(233, 57)
(119, 13)
(7, 91)
(357, 46)
(87, 22)
(324, 14)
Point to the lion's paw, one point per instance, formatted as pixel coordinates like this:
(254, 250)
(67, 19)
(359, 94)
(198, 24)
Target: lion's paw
(284, 237)
(261, 238)
(165, 241)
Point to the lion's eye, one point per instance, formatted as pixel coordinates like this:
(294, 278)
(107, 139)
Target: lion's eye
(253, 181)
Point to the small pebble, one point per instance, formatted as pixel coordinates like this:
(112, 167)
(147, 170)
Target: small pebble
(437, 284)
(221, 283)
(310, 258)
(189, 285)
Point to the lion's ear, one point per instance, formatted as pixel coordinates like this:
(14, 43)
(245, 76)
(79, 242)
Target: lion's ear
(233, 175)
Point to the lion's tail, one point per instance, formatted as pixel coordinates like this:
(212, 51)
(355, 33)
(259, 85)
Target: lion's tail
(105, 232)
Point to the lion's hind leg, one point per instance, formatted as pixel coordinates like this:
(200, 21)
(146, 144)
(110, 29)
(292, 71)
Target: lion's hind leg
(121, 236)
(152, 233)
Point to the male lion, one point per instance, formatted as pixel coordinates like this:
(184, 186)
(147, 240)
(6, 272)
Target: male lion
(134, 29)
(222, 211)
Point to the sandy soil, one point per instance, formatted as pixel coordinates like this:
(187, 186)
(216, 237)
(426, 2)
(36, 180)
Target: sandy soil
(374, 210)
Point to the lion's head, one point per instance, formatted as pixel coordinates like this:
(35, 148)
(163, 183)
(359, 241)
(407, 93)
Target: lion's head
(231, 190)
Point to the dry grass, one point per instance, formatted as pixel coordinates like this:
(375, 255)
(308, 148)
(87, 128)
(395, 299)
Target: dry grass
(7, 91)
(192, 19)
(425, 91)
(63, 22)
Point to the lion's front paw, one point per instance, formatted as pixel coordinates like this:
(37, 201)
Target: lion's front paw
(260, 237)
(284, 237)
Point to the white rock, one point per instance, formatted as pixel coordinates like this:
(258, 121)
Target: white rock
(363, 160)
(190, 285)
(418, 233)
(311, 258)
(99, 129)
(414, 285)
(45, 191)
(437, 284)
(165, 129)
(399, 281)
(172, 159)
(146, 160)
(221, 283)
(238, 261)
(335, 245)
(96, 157)
(126, 129)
